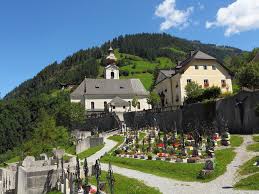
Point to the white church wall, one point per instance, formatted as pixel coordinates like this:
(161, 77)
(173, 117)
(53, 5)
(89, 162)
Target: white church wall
(99, 105)
(109, 71)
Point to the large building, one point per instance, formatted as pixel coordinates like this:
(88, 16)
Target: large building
(111, 94)
(199, 67)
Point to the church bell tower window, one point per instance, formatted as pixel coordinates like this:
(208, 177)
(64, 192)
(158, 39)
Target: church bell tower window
(112, 75)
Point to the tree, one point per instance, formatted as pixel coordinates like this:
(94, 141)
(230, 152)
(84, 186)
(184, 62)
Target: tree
(153, 99)
(193, 90)
(135, 102)
(248, 76)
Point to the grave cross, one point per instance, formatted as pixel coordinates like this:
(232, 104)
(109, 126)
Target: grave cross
(97, 175)
(111, 179)
(86, 170)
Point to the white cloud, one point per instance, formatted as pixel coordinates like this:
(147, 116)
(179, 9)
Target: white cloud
(174, 18)
(240, 16)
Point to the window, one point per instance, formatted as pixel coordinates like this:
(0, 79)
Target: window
(223, 83)
(206, 83)
(105, 105)
(205, 67)
(121, 87)
(112, 75)
(97, 87)
(113, 107)
(189, 81)
(129, 105)
(138, 105)
(124, 107)
(92, 105)
(196, 67)
(213, 67)
(177, 98)
(165, 90)
(176, 85)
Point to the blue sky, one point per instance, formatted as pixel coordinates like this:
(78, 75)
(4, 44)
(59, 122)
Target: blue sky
(34, 34)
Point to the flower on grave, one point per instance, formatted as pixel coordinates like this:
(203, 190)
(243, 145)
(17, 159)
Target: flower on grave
(176, 145)
(161, 145)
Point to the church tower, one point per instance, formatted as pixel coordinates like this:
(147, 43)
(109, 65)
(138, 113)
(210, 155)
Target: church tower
(111, 69)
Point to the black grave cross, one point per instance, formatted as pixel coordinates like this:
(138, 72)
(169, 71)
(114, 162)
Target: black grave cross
(110, 179)
(86, 170)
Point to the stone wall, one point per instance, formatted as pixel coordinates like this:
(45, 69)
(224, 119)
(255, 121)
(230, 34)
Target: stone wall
(236, 112)
(104, 122)
(87, 143)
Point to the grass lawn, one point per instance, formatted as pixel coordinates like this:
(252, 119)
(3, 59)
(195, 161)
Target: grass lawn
(125, 185)
(141, 135)
(249, 183)
(145, 78)
(236, 140)
(248, 167)
(90, 152)
(256, 138)
(118, 139)
(253, 147)
(54, 192)
(178, 171)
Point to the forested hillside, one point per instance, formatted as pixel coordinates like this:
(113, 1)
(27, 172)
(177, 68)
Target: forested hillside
(35, 111)
(139, 56)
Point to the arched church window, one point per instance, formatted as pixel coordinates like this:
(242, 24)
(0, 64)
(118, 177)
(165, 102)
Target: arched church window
(105, 106)
(92, 105)
(129, 105)
(138, 105)
(112, 75)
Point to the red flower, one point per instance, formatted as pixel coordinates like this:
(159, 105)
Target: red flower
(161, 145)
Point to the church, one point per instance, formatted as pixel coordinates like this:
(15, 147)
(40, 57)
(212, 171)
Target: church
(111, 94)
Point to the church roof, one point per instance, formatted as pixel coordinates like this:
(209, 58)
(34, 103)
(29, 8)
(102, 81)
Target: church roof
(119, 102)
(168, 73)
(195, 55)
(110, 87)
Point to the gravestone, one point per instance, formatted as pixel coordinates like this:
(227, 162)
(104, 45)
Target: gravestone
(28, 161)
(209, 165)
(58, 153)
(225, 139)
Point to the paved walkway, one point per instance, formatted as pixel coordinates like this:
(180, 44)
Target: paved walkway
(221, 185)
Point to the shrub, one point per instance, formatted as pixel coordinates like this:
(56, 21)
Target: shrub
(124, 72)
(226, 94)
(134, 66)
(117, 152)
(155, 150)
(149, 157)
(211, 93)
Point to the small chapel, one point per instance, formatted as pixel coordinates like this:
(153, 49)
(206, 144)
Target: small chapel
(111, 94)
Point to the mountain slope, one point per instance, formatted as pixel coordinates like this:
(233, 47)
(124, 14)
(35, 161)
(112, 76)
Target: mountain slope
(139, 56)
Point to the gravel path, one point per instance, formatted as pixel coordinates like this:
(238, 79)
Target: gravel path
(109, 144)
(221, 185)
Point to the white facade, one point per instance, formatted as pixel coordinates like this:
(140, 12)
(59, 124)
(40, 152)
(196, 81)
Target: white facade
(206, 72)
(112, 72)
(111, 94)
